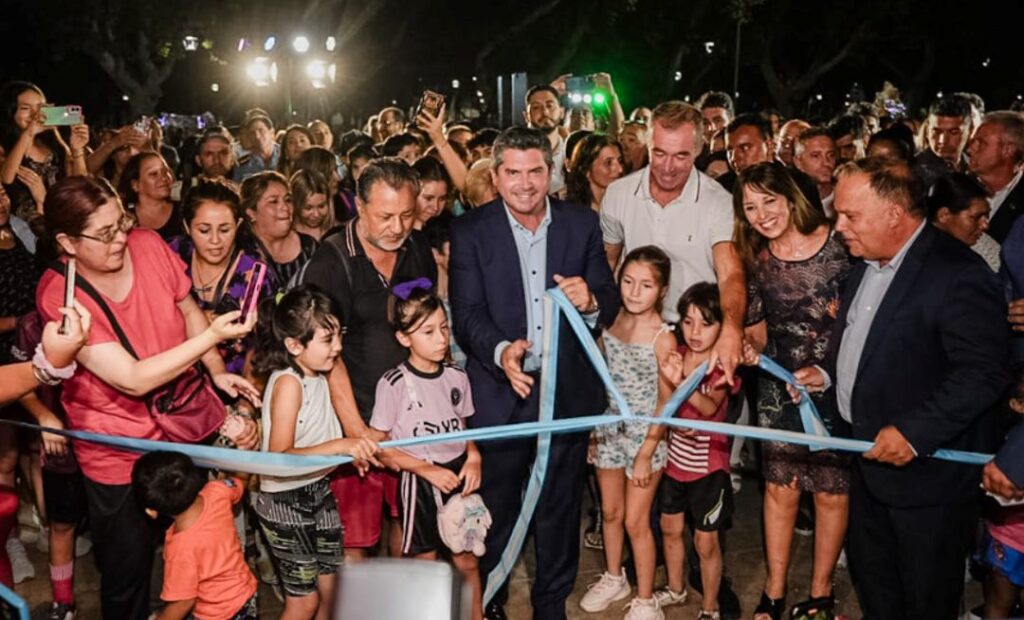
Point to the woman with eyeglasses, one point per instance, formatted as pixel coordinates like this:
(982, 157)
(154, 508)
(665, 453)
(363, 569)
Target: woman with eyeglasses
(143, 283)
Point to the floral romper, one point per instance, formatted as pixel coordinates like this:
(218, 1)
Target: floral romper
(634, 369)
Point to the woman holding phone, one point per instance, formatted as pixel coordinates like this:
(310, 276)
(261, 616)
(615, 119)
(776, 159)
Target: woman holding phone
(35, 155)
(143, 285)
(218, 267)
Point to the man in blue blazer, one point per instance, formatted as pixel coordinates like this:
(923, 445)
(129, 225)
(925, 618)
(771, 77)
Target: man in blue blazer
(504, 255)
(919, 359)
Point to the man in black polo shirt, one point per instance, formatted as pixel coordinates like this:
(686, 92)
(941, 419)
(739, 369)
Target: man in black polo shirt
(356, 266)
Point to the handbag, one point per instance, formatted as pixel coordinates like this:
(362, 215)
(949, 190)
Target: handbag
(186, 409)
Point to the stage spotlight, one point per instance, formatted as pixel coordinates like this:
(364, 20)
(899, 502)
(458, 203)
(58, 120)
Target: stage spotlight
(301, 44)
(215, 87)
(262, 71)
(269, 43)
(320, 73)
(190, 43)
(331, 44)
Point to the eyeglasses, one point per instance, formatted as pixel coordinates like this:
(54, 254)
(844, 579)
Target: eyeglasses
(126, 223)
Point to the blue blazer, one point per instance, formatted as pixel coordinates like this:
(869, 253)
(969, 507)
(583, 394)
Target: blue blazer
(935, 365)
(489, 305)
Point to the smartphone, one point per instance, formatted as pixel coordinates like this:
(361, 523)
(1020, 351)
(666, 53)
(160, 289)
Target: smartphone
(579, 84)
(252, 290)
(431, 102)
(54, 116)
(69, 293)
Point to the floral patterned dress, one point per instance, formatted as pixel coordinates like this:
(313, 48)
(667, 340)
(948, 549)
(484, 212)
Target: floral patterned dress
(799, 300)
(634, 369)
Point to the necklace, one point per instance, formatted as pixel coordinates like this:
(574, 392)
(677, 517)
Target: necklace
(797, 250)
(6, 234)
(198, 285)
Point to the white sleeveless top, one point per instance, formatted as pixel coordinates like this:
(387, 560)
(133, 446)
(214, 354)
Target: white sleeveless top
(315, 424)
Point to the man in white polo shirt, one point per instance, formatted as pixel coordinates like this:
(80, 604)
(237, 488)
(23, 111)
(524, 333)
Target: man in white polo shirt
(687, 214)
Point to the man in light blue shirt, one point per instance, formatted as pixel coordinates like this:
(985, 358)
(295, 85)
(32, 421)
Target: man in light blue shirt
(266, 153)
(504, 255)
(919, 358)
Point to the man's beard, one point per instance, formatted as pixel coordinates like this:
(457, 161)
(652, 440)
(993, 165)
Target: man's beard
(548, 130)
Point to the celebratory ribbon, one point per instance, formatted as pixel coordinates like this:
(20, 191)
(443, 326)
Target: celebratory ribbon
(556, 304)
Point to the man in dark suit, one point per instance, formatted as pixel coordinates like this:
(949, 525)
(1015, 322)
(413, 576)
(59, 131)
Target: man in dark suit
(504, 255)
(919, 358)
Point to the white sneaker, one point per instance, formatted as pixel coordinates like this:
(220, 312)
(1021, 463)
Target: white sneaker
(644, 609)
(83, 544)
(666, 597)
(20, 564)
(606, 591)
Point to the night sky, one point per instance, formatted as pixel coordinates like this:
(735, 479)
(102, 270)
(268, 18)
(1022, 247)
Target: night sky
(390, 50)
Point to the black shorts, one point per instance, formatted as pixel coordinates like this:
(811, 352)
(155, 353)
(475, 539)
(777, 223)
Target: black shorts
(708, 500)
(417, 508)
(64, 496)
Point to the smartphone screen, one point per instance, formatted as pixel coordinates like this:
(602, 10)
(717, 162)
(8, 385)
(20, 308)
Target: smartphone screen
(431, 102)
(69, 292)
(252, 290)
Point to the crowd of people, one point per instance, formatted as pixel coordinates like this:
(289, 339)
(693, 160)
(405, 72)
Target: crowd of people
(878, 257)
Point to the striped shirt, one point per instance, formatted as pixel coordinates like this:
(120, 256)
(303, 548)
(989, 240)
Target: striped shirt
(691, 457)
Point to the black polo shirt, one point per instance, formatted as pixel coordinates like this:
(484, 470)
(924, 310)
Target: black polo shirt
(341, 268)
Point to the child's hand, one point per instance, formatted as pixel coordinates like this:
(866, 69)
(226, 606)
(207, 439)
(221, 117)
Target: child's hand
(362, 451)
(470, 473)
(750, 355)
(641, 470)
(446, 481)
(671, 367)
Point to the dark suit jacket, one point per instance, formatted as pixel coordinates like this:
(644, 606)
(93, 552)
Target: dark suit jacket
(489, 304)
(935, 364)
(1012, 207)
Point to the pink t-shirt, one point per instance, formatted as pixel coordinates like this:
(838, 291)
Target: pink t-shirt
(1007, 526)
(150, 317)
(410, 403)
(693, 457)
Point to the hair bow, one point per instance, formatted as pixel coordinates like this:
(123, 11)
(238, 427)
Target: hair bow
(404, 289)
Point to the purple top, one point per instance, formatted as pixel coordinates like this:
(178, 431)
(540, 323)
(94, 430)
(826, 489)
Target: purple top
(228, 294)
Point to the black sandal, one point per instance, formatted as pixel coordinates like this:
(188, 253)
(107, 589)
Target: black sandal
(820, 608)
(774, 607)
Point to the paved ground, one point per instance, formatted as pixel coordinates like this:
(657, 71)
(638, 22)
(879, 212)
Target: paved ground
(744, 563)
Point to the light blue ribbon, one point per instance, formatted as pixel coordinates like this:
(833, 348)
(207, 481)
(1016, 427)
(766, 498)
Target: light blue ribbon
(555, 304)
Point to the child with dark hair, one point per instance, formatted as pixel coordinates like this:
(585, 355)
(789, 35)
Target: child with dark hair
(205, 574)
(630, 457)
(426, 396)
(298, 342)
(696, 481)
(439, 236)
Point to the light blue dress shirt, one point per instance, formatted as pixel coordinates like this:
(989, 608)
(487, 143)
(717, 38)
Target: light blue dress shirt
(532, 248)
(873, 287)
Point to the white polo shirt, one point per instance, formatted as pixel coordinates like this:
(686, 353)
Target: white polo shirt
(686, 229)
